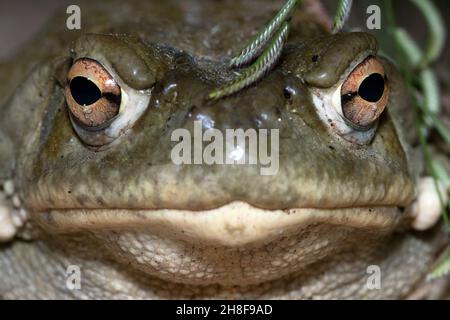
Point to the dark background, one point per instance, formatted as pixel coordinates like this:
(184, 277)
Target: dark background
(21, 19)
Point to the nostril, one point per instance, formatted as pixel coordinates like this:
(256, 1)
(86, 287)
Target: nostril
(287, 92)
(192, 110)
(278, 113)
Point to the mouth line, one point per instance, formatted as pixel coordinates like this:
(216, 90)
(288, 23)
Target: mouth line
(234, 224)
(287, 210)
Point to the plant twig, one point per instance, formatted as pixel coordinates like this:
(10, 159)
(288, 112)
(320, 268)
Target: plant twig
(342, 15)
(257, 44)
(436, 26)
(262, 65)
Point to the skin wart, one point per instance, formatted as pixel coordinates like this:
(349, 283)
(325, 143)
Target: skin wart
(138, 226)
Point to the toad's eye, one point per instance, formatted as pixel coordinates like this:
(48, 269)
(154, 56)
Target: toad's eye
(92, 94)
(365, 93)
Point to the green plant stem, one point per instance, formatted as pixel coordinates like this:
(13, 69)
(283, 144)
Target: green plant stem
(342, 14)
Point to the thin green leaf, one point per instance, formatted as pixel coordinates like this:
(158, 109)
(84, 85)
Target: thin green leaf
(431, 92)
(408, 47)
(256, 71)
(437, 33)
(443, 175)
(440, 127)
(432, 169)
(429, 89)
(442, 269)
(342, 15)
(256, 46)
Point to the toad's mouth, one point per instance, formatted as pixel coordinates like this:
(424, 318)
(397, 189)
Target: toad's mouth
(235, 224)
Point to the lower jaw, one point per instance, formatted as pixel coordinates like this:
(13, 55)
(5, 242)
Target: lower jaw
(234, 245)
(235, 224)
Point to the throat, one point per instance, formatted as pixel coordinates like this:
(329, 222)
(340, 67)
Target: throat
(73, 268)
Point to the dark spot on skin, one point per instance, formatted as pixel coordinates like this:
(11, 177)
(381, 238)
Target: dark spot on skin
(191, 111)
(180, 60)
(331, 148)
(287, 94)
(167, 124)
(82, 199)
(278, 112)
(315, 58)
(48, 218)
(100, 201)
(402, 209)
(69, 192)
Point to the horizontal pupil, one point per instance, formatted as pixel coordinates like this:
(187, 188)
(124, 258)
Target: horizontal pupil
(372, 88)
(84, 91)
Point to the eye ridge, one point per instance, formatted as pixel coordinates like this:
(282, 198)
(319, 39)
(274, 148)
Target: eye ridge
(372, 88)
(84, 91)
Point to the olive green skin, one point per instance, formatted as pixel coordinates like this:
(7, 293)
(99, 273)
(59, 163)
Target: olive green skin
(66, 174)
(157, 46)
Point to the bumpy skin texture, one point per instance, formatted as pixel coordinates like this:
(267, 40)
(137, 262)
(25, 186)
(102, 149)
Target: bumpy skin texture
(138, 226)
